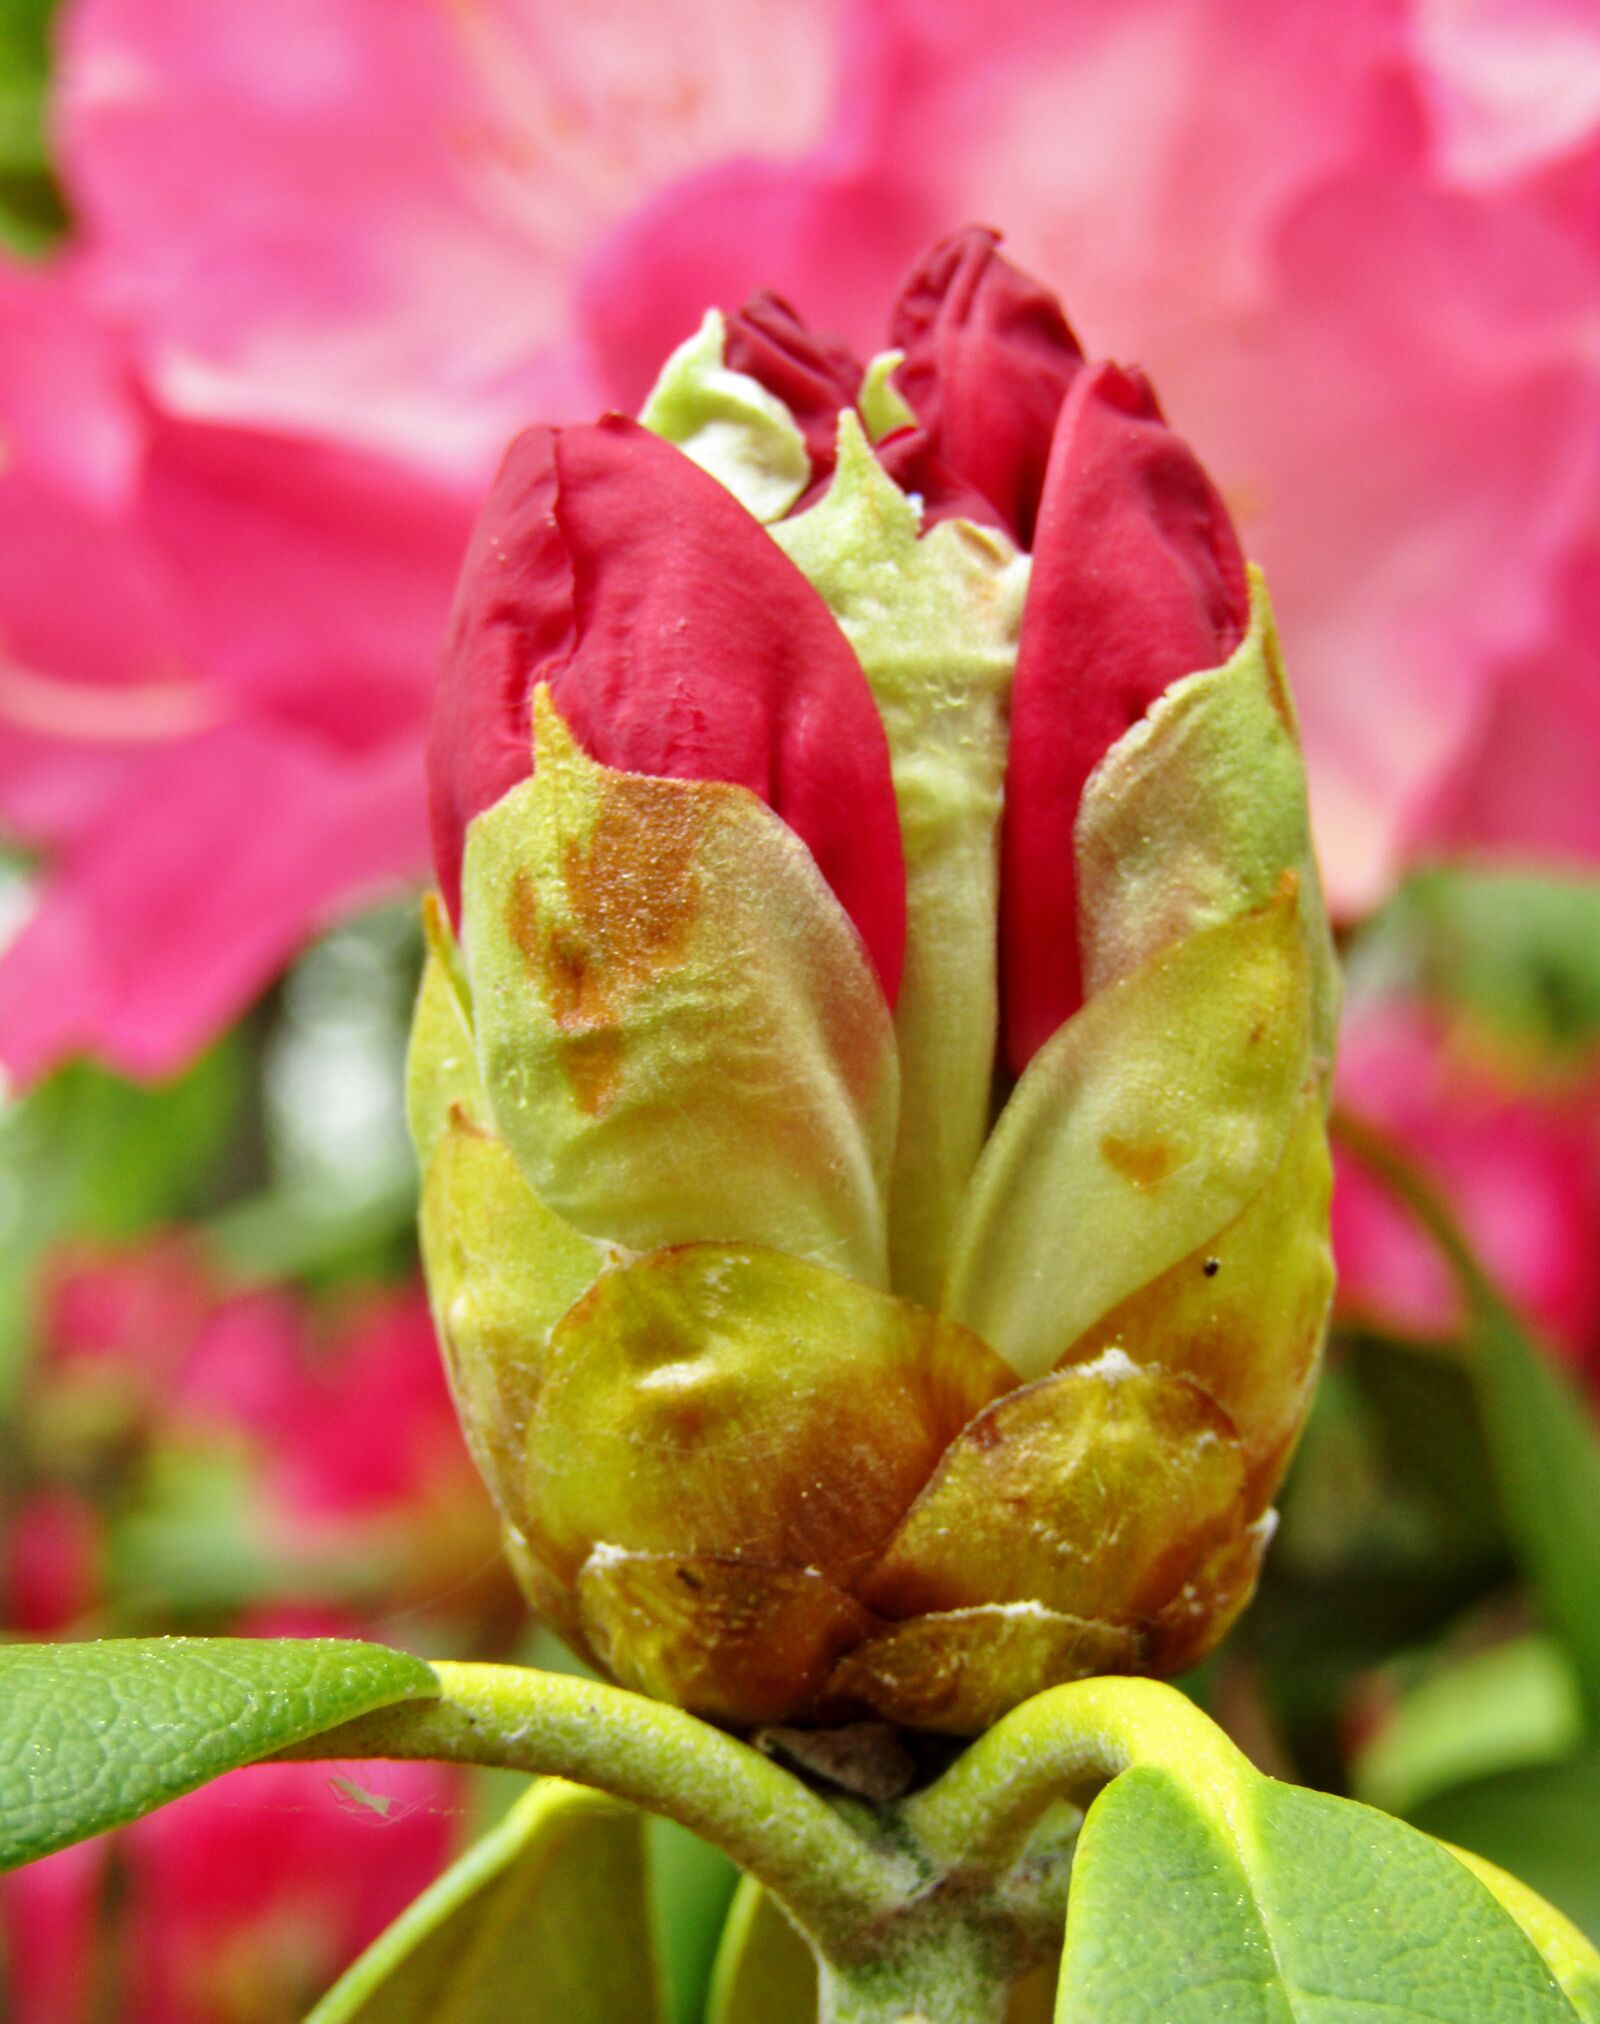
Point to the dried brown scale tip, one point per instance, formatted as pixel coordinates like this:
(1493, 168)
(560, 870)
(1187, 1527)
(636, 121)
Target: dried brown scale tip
(869, 1759)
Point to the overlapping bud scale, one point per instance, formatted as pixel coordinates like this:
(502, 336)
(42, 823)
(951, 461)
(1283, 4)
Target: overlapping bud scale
(871, 1069)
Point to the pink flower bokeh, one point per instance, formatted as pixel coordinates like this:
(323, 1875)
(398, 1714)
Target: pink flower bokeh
(350, 1474)
(239, 1904)
(323, 266)
(1515, 1151)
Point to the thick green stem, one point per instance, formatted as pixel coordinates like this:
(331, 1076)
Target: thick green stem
(923, 1913)
(832, 1879)
(947, 1979)
(1063, 1744)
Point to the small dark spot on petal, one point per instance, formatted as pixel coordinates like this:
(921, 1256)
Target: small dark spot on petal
(1212, 1267)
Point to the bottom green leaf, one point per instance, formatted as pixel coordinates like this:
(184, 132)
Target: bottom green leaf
(1265, 1904)
(764, 1972)
(546, 1916)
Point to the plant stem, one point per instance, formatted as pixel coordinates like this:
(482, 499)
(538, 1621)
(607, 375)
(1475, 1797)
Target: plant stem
(945, 1980)
(1065, 1743)
(1536, 1427)
(832, 1878)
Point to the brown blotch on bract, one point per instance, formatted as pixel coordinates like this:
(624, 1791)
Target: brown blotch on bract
(1278, 687)
(1145, 1162)
(631, 903)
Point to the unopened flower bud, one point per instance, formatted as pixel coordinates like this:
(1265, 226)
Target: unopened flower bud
(835, 1339)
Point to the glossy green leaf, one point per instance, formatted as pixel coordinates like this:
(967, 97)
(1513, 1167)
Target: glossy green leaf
(1265, 1904)
(1568, 1953)
(547, 1916)
(92, 1735)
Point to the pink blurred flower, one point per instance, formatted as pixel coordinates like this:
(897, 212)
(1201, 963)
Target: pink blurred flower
(50, 1563)
(126, 1316)
(1523, 785)
(1518, 1162)
(349, 1454)
(347, 255)
(240, 1904)
(215, 649)
(48, 1919)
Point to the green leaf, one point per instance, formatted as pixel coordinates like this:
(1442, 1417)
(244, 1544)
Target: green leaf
(92, 1735)
(88, 1154)
(1541, 1822)
(1258, 1903)
(1521, 951)
(546, 1916)
(765, 1973)
(31, 213)
(1509, 1706)
(1541, 1440)
(1569, 1955)
(691, 1887)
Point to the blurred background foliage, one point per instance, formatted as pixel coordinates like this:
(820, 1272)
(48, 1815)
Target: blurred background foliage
(220, 1409)
(31, 211)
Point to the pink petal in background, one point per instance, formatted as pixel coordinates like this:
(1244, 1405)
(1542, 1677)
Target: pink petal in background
(216, 650)
(1519, 1164)
(363, 218)
(245, 1899)
(326, 265)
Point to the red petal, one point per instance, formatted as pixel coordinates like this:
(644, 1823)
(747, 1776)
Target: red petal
(989, 359)
(813, 375)
(677, 639)
(1137, 580)
(816, 377)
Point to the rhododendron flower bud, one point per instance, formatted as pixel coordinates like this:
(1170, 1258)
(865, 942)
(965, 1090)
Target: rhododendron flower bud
(834, 1343)
(987, 358)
